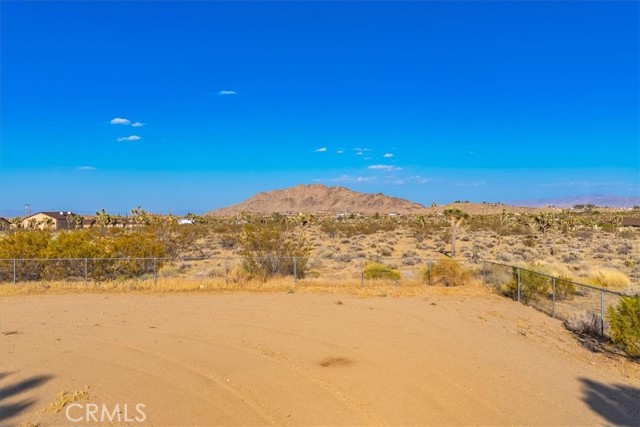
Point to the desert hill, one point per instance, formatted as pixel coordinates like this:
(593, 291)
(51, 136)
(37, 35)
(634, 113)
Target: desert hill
(320, 198)
(316, 197)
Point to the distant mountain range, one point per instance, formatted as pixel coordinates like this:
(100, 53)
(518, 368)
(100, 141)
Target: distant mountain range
(313, 198)
(600, 200)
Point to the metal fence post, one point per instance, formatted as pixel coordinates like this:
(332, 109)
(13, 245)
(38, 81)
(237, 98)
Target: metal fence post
(601, 312)
(155, 273)
(484, 272)
(519, 284)
(295, 269)
(553, 290)
(361, 272)
(86, 262)
(430, 271)
(14, 272)
(226, 271)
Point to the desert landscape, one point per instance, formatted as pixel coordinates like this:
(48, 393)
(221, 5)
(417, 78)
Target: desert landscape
(356, 334)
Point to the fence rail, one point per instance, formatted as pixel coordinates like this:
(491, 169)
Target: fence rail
(556, 296)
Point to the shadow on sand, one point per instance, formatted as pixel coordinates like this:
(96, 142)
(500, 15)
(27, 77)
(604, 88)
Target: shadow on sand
(619, 404)
(10, 410)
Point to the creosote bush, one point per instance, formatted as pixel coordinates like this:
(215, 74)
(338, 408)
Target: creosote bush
(624, 321)
(376, 270)
(447, 272)
(565, 289)
(63, 254)
(533, 286)
(272, 249)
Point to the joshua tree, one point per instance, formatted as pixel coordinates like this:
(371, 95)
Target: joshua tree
(456, 218)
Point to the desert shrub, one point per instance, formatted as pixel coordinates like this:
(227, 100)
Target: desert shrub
(533, 285)
(624, 249)
(584, 323)
(385, 251)
(608, 278)
(447, 272)
(565, 289)
(26, 244)
(624, 321)
(228, 241)
(380, 271)
(271, 249)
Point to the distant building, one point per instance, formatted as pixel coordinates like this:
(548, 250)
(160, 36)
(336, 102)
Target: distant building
(630, 222)
(51, 220)
(5, 224)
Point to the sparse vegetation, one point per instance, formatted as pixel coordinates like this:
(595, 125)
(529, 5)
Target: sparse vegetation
(271, 249)
(533, 286)
(608, 278)
(377, 271)
(584, 323)
(447, 272)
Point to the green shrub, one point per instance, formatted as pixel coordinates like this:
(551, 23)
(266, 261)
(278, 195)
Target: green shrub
(447, 272)
(271, 249)
(533, 286)
(380, 271)
(624, 321)
(25, 244)
(565, 289)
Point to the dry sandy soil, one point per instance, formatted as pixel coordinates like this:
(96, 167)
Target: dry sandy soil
(463, 357)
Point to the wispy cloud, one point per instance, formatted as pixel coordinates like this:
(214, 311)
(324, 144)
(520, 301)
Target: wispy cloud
(321, 150)
(129, 138)
(387, 155)
(340, 151)
(416, 179)
(361, 151)
(137, 124)
(227, 92)
(120, 121)
(348, 179)
(85, 168)
(386, 168)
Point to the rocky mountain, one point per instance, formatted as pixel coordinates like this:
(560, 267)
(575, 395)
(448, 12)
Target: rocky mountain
(314, 198)
(597, 200)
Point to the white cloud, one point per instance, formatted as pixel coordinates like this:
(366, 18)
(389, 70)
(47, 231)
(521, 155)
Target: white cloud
(417, 179)
(387, 155)
(129, 138)
(227, 92)
(386, 168)
(361, 151)
(120, 121)
(321, 150)
(340, 151)
(137, 124)
(86, 168)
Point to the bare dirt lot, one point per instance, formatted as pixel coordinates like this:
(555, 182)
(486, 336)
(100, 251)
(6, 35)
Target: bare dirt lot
(463, 357)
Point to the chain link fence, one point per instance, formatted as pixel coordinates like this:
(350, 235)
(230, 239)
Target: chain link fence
(558, 297)
(99, 272)
(555, 296)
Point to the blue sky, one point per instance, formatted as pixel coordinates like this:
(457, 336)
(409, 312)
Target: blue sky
(190, 106)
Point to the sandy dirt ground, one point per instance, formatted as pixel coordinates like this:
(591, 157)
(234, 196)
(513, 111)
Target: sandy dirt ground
(466, 358)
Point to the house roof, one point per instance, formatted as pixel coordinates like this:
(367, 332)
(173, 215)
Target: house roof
(630, 222)
(2, 219)
(57, 215)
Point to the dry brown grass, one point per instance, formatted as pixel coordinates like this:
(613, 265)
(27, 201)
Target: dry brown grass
(64, 398)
